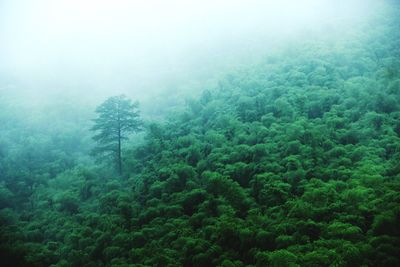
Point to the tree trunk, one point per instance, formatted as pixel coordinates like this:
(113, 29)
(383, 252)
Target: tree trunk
(119, 158)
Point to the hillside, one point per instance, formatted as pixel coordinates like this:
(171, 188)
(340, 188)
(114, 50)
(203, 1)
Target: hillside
(291, 161)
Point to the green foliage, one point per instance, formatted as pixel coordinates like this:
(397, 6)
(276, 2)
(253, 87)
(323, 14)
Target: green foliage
(117, 117)
(290, 162)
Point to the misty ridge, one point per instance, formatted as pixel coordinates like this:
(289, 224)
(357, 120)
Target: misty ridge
(93, 50)
(199, 133)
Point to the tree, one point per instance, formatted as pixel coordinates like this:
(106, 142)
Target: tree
(117, 117)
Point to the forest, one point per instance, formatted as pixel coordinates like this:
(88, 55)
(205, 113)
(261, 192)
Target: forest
(289, 160)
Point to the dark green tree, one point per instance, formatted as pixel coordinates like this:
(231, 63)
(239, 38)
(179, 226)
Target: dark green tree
(117, 118)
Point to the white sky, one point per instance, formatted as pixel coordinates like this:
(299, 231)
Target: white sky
(100, 43)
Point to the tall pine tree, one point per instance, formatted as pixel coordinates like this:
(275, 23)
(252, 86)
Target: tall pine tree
(117, 117)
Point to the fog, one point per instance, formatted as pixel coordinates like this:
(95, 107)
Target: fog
(91, 49)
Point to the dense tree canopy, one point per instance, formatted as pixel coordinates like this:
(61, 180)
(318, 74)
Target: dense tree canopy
(294, 161)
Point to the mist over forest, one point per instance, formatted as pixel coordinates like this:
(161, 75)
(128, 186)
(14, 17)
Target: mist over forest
(199, 133)
(90, 50)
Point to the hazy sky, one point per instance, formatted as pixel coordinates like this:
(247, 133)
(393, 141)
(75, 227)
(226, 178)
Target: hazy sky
(113, 46)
